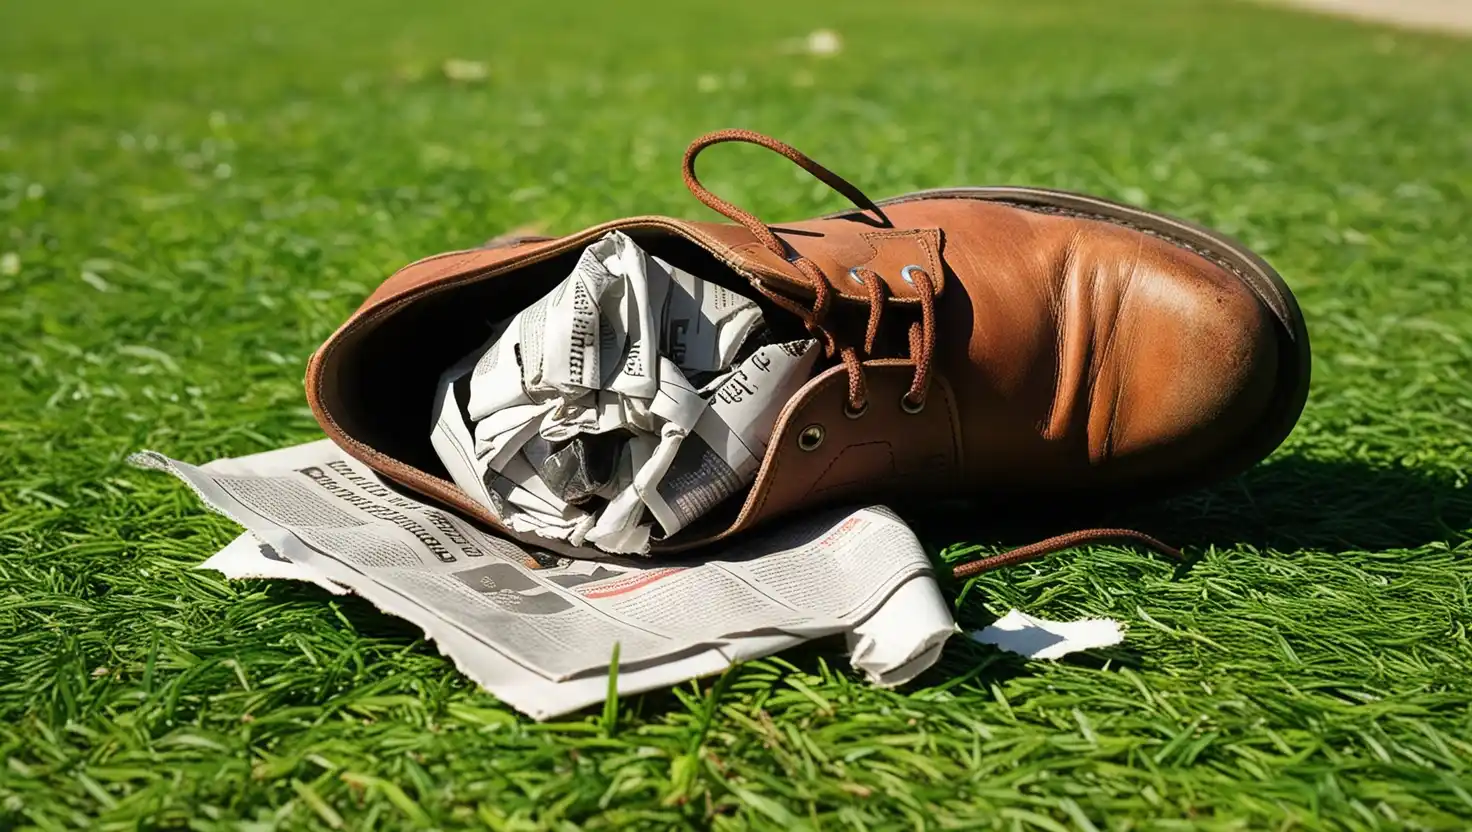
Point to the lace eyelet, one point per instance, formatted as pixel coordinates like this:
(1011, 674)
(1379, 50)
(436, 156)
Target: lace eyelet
(909, 270)
(811, 437)
(855, 276)
(854, 414)
(909, 406)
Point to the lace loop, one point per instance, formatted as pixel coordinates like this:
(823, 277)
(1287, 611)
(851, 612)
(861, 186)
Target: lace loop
(876, 290)
(922, 342)
(797, 157)
(922, 334)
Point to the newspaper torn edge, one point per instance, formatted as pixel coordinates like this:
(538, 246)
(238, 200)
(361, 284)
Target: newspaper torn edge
(246, 557)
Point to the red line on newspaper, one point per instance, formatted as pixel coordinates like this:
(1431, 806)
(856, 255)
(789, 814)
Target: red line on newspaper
(620, 586)
(848, 525)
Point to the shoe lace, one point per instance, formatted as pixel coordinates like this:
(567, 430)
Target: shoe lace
(814, 317)
(1033, 551)
(921, 333)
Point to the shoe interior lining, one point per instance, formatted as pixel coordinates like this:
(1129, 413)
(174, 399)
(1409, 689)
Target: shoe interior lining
(380, 388)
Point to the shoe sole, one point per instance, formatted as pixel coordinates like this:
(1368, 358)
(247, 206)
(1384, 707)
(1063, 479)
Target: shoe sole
(1261, 279)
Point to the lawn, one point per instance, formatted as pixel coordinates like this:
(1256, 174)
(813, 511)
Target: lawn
(194, 194)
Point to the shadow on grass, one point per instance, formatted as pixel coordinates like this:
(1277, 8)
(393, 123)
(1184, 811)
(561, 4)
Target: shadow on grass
(1286, 504)
(963, 664)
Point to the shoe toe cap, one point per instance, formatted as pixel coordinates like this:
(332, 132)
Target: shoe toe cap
(1188, 370)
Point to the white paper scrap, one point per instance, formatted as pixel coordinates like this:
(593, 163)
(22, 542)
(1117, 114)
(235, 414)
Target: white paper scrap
(1039, 638)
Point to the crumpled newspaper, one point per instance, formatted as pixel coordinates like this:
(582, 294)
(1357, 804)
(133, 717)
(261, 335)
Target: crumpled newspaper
(633, 396)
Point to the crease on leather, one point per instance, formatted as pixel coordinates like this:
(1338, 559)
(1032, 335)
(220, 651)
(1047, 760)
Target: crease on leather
(958, 450)
(1058, 306)
(1081, 290)
(1122, 383)
(1113, 338)
(1094, 364)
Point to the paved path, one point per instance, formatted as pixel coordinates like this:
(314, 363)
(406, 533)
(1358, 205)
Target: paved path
(1444, 15)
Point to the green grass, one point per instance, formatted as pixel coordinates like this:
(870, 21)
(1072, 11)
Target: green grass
(194, 195)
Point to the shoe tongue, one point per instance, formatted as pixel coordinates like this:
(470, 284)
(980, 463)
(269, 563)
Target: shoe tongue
(835, 249)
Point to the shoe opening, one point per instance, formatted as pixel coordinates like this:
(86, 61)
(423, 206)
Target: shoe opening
(379, 381)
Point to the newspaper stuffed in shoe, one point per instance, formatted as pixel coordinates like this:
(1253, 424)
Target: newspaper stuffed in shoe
(619, 408)
(539, 630)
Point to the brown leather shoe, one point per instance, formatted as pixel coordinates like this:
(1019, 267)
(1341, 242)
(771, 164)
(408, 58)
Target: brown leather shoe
(981, 340)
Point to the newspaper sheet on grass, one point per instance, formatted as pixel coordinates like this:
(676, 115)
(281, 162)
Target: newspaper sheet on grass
(539, 630)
